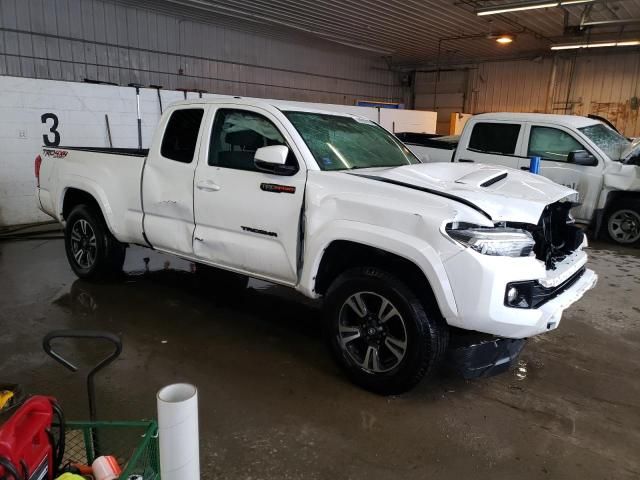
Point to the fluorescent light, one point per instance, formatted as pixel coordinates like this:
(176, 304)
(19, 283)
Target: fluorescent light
(627, 43)
(574, 2)
(527, 5)
(515, 8)
(598, 45)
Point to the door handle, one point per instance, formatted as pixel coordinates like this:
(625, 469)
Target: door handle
(524, 168)
(207, 186)
(465, 160)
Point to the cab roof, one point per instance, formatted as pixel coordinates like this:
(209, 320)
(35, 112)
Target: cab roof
(341, 110)
(575, 121)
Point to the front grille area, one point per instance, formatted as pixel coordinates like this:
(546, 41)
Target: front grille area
(556, 235)
(533, 295)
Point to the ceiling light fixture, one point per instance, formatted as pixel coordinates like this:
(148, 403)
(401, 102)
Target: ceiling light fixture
(504, 39)
(528, 5)
(626, 43)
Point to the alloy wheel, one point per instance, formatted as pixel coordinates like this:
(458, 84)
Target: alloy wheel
(84, 246)
(372, 332)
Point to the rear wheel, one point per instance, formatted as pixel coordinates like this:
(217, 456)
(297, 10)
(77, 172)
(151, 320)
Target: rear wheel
(623, 223)
(92, 251)
(380, 332)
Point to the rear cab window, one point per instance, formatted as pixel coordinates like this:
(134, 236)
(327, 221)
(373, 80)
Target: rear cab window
(181, 134)
(494, 138)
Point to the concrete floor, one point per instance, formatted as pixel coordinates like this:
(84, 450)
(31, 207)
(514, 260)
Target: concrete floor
(273, 405)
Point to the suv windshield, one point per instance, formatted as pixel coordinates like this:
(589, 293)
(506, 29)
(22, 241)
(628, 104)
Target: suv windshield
(607, 140)
(346, 143)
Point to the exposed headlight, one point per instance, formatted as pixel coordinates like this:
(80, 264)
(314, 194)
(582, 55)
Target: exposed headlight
(498, 241)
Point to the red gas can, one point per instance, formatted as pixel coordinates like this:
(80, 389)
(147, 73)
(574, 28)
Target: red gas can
(26, 445)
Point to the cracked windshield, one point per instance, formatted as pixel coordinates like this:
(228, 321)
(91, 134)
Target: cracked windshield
(609, 141)
(346, 143)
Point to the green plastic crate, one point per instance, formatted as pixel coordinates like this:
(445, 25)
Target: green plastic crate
(133, 444)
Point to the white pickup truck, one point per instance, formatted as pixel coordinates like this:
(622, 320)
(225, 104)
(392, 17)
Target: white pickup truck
(580, 152)
(415, 262)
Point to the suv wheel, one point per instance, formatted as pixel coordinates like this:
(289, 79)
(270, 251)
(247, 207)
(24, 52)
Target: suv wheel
(92, 251)
(380, 332)
(623, 223)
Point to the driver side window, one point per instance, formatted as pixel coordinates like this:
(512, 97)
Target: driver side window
(552, 144)
(236, 136)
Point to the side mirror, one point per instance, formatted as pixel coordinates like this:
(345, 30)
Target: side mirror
(273, 159)
(582, 157)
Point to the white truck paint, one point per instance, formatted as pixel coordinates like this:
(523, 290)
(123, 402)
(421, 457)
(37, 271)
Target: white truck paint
(607, 178)
(300, 197)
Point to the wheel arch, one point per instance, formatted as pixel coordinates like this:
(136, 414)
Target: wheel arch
(74, 196)
(420, 263)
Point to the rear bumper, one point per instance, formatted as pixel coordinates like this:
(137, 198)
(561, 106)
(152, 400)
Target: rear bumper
(483, 356)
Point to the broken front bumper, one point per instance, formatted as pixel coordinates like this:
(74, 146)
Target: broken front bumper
(483, 356)
(480, 282)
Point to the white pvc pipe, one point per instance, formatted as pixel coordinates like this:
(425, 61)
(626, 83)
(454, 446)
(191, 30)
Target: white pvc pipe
(178, 432)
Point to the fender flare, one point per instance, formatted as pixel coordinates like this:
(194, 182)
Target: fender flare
(92, 188)
(413, 249)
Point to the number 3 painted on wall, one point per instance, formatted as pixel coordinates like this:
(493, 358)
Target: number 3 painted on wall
(53, 129)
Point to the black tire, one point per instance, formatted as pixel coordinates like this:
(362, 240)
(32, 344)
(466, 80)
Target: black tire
(622, 223)
(426, 334)
(223, 285)
(104, 255)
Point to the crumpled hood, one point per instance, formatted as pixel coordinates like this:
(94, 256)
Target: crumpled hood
(503, 193)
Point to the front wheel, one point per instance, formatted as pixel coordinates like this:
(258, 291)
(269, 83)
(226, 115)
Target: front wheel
(93, 252)
(623, 223)
(380, 332)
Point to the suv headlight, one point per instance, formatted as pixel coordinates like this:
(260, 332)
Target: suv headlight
(497, 241)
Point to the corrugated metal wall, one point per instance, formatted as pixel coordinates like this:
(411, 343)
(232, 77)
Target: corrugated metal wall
(519, 86)
(602, 84)
(605, 85)
(100, 40)
(445, 96)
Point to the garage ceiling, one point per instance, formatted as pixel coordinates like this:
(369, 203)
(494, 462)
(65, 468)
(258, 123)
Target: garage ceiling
(414, 32)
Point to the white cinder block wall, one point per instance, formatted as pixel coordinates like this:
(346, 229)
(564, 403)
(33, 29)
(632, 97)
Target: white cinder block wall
(80, 110)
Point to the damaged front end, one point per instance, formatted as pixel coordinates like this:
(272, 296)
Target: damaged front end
(558, 241)
(556, 235)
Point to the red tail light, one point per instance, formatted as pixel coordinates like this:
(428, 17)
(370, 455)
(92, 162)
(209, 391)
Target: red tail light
(37, 164)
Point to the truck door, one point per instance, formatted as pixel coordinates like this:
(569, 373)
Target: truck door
(494, 143)
(167, 181)
(248, 220)
(554, 143)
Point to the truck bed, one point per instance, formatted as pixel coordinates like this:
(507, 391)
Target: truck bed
(110, 175)
(449, 142)
(133, 152)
